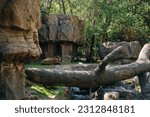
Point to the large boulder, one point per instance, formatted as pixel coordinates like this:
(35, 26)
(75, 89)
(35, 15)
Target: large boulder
(70, 29)
(18, 44)
(133, 48)
(21, 14)
(19, 23)
(62, 28)
(60, 35)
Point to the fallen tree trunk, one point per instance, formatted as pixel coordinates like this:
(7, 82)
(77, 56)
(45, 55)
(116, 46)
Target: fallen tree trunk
(61, 77)
(102, 75)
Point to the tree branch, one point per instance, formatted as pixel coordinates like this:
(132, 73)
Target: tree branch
(100, 76)
(63, 5)
(118, 53)
(60, 77)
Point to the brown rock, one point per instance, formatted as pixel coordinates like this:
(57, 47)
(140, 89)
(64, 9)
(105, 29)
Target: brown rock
(70, 29)
(12, 81)
(52, 23)
(65, 30)
(18, 44)
(19, 22)
(111, 96)
(67, 51)
(51, 61)
(78, 26)
(43, 33)
(21, 14)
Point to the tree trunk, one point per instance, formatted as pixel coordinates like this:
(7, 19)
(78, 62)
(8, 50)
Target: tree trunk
(50, 4)
(60, 77)
(63, 5)
(100, 76)
(70, 5)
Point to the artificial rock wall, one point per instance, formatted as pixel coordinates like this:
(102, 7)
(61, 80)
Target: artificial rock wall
(19, 23)
(60, 35)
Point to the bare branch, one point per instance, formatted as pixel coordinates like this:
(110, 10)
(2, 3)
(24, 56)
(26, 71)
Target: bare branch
(100, 76)
(118, 53)
(63, 4)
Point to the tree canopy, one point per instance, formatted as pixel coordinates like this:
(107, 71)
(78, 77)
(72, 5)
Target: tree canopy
(105, 20)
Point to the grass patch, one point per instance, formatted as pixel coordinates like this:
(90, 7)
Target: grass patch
(46, 92)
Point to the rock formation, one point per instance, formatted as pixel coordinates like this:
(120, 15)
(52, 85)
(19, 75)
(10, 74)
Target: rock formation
(133, 49)
(144, 81)
(60, 35)
(19, 23)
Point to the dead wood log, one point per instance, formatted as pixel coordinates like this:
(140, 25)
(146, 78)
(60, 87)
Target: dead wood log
(102, 75)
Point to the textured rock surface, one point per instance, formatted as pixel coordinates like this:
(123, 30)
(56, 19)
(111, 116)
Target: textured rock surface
(22, 14)
(62, 28)
(19, 23)
(125, 89)
(111, 96)
(119, 91)
(51, 61)
(133, 48)
(70, 29)
(67, 52)
(144, 81)
(12, 81)
(62, 34)
(16, 44)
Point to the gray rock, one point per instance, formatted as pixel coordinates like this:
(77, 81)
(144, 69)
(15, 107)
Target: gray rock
(133, 48)
(117, 93)
(144, 81)
(111, 96)
(61, 34)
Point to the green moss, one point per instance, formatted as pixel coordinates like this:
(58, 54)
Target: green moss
(43, 90)
(47, 92)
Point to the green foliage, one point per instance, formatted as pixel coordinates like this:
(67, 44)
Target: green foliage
(106, 19)
(42, 92)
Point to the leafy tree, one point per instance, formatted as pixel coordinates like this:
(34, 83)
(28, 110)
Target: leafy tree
(105, 20)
